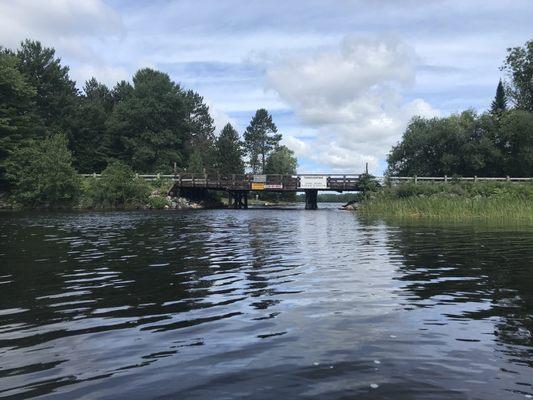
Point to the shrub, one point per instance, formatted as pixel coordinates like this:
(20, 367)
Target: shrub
(118, 187)
(42, 175)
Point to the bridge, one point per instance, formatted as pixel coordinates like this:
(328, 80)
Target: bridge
(238, 186)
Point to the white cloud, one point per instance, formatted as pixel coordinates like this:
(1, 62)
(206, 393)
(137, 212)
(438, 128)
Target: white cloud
(352, 96)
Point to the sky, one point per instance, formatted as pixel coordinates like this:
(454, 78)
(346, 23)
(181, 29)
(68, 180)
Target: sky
(342, 78)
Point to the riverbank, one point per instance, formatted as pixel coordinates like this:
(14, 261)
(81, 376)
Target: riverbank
(452, 201)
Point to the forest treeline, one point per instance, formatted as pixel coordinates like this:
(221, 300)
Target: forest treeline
(498, 142)
(151, 125)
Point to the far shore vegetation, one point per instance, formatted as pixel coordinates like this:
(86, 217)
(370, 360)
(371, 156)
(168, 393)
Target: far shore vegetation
(454, 201)
(51, 132)
(496, 143)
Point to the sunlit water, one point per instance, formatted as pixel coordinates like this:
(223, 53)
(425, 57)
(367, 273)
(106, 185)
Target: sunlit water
(262, 304)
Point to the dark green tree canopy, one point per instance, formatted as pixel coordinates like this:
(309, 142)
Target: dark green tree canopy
(56, 93)
(260, 138)
(281, 161)
(148, 127)
(461, 144)
(17, 121)
(42, 174)
(229, 152)
(499, 104)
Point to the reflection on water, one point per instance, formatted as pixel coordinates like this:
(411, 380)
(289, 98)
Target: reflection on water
(262, 304)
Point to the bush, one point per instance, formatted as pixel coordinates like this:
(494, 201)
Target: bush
(118, 187)
(42, 175)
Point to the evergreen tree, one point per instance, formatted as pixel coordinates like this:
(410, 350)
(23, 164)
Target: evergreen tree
(148, 123)
(56, 93)
(196, 165)
(499, 104)
(229, 152)
(200, 130)
(260, 139)
(16, 103)
(90, 141)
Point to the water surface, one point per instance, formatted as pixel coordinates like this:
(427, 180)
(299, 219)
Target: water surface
(262, 304)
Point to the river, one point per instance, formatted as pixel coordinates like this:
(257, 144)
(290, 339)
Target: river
(263, 304)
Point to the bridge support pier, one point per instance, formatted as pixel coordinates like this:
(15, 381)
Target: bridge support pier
(238, 199)
(311, 197)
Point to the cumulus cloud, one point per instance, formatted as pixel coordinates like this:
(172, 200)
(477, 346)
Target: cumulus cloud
(352, 96)
(74, 28)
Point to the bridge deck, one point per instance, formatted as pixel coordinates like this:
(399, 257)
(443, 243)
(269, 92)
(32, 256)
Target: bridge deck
(271, 183)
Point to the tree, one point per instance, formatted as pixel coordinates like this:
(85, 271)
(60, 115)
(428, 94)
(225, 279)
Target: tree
(229, 152)
(461, 144)
(148, 123)
(200, 130)
(196, 165)
(499, 104)
(517, 135)
(519, 67)
(260, 139)
(16, 101)
(90, 141)
(42, 174)
(281, 161)
(56, 93)
(118, 187)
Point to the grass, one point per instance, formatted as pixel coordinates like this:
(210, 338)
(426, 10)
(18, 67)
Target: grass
(453, 202)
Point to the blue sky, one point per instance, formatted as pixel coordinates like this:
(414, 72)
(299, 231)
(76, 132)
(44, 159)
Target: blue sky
(342, 78)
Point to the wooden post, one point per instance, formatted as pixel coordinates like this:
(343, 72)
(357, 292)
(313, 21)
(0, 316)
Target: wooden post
(175, 168)
(416, 179)
(366, 168)
(445, 178)
(218, 179)
(475, 178)
(205, 179)
(233, 180)
(508, 178)
(192, 179)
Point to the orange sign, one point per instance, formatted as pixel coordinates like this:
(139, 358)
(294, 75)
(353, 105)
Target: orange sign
(258, 186)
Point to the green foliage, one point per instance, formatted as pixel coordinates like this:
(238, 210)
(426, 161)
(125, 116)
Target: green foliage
(368, 183)
(229, 152)
(519, 67)
(118, 187)
(56, 93)
(281, 161)
(158, 202)
(148, 125)
(465, 144)
(260, 138)
(90, 141)
(196, 165)
(42, 174)
(200, 131)
(452, 201)
(499, 104)
(16, 98)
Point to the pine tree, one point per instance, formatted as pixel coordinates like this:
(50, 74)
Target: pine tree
(260, 139)
(229, 152)
(499, 103)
